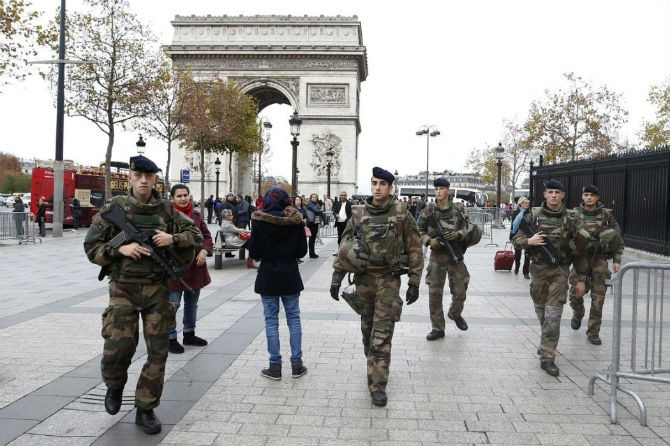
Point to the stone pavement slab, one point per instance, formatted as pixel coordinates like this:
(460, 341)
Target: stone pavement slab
(482, 386)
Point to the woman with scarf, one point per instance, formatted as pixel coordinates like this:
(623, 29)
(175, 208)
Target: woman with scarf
(197, 276)
(523, 204)
(278, 239)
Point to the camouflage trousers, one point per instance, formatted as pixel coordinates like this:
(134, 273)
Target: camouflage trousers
(439, 266)
(381, 294)
(549, 289)
(596, 285)
(120, 329)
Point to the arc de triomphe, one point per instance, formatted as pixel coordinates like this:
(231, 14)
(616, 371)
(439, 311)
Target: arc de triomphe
(313, 64)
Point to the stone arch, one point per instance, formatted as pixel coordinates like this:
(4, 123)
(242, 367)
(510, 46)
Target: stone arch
(313, 64)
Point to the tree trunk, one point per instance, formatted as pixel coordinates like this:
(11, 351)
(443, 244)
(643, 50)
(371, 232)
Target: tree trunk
(202, 172)
(167, 168)
(230, 172)
(108, 166)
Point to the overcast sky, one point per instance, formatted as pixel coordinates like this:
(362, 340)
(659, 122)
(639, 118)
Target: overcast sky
(463, 66)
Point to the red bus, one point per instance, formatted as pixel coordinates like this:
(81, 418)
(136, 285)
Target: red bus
(85, 183)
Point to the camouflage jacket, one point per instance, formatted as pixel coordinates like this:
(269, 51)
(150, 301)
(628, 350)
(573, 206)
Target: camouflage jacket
(595, 222)
(157, 214)
(558, 227)
(451, 218)
(381, 222)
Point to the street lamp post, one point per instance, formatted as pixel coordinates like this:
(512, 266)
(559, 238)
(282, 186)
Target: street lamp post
(499, 152)
(217, 170)
(295, 122)
(530, 183)
(428, 130)
(329, 162)
(140, 144)
(267, 126)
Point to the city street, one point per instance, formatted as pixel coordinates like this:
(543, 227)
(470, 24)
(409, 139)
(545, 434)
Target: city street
(480, 386)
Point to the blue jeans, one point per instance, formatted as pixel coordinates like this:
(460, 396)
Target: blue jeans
(271, 313)
(190, 309)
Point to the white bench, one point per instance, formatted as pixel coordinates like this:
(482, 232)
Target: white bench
(220, 249)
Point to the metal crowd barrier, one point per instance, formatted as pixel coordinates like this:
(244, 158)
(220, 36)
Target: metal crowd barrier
(641, 350)
(19, 226)
(484, 220)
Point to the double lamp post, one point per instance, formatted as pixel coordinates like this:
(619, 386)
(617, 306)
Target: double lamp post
(429, 131)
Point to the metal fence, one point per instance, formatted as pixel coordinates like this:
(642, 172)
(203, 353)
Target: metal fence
(636, 186)
(483, 219)
(18, 226)
(641, 349)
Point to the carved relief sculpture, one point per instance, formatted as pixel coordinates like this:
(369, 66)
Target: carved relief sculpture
(323, 143)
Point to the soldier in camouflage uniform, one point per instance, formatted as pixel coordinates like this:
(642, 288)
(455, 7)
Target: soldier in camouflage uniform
(594, 223)
(438, 223)
(138, 286)
(380, 242)
(549, 282)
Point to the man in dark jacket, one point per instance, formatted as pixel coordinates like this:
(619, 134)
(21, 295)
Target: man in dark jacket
(278, 239)
(341, 215)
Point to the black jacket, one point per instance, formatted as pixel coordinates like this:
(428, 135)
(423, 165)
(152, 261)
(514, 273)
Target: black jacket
(278, 242)
(336, 209)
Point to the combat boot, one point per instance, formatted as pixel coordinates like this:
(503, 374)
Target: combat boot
(379, 398)
(460, 322)
(191, 339)
(113, 400)
(549, 367)
(575, 323)
(594, 339)
(298, 369)
(273, 372)
(175, 347)
(435, 334)
(148, 420)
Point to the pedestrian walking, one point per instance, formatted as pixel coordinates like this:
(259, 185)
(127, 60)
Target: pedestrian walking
(41, 216)
(19, 218)
(209, 205)
(380, 243)
(278, 240)
(445, 227)
(138, 287)
(196, 277)
(76, 213)
(517, 215)
(315, 219)
(598, 239)
(553, 229)
(341, 214)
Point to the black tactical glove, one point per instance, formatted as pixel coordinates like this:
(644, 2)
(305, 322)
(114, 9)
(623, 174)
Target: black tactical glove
(334, 292)
(412, 294)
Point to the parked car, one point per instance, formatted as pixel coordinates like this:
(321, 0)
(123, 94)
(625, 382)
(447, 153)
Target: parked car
(3, 199)
(26, 200)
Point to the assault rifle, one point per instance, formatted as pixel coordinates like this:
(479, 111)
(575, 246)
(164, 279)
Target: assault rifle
(453, 250)
(166, 258)
(548, 249)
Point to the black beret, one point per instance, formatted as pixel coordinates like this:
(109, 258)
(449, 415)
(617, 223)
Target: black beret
(141, 163)
(591, 189)
(441, 182)
(382, 174)
(553, 184)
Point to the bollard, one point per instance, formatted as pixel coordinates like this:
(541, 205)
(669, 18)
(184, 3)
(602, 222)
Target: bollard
(218, 260)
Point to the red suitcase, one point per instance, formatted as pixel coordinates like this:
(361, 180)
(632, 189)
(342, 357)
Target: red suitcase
(504, 259)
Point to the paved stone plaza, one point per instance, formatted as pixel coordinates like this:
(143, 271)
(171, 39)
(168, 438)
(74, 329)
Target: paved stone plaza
(482, 386)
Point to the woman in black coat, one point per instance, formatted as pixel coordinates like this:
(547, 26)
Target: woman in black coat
(278, 241)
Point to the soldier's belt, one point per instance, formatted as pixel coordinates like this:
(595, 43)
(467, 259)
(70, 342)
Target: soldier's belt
(381, 261)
